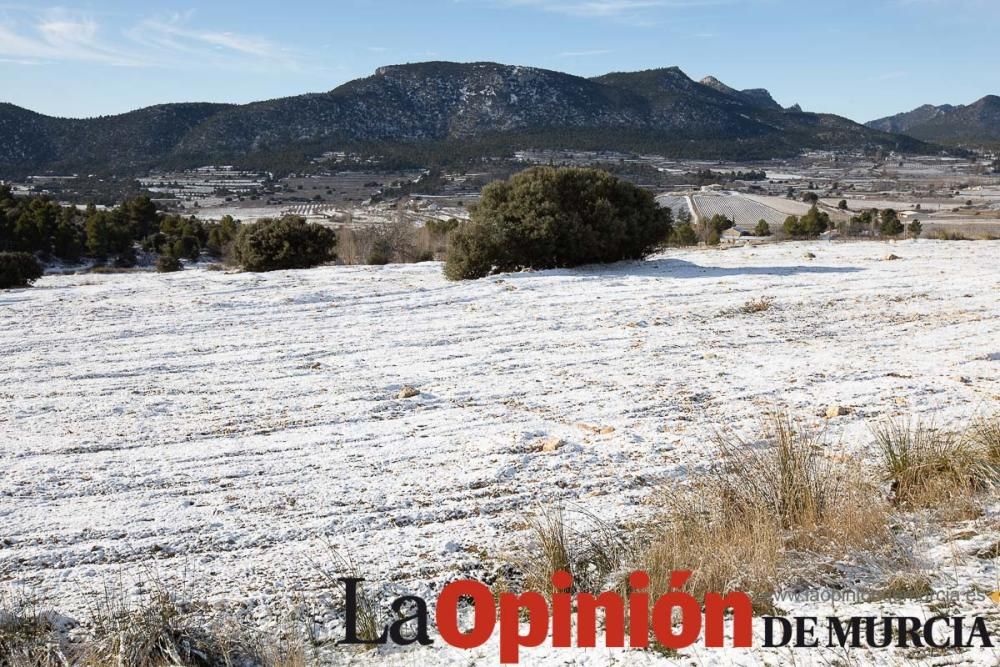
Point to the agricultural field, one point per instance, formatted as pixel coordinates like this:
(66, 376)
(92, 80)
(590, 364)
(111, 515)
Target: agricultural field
(741, 209)
(675, 203)
(248, 427)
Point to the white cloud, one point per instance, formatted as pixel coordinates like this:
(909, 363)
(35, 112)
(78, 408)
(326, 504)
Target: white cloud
(172, 41)
(622, 9)
(56, 36)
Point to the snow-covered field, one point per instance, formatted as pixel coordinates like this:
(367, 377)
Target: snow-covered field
(218, 430)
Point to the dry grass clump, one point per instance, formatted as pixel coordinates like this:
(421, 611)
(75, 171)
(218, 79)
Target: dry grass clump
(733, 528)
(928, 468)
(764, 499)
(906, 586)
(760, 305)
(751, 307)
(593, 551)
(29, 637)
(157, 631)
(738, 528)
(370, 617)
(813, 498)
(725, 550)
(984, 434)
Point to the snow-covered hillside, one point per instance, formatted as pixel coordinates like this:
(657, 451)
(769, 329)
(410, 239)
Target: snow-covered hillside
(218, 429)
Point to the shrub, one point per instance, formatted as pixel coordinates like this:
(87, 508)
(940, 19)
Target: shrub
(285, 243)
(186, 247)
(890, 224)
(812, 224)
(168, 264)
(929, 468)
(915, 229)
(683, 234)
(442, 227)
(549, 217)
(377, 257)
(18, 269)
(949, 235)
(156, 630)
(762, 229)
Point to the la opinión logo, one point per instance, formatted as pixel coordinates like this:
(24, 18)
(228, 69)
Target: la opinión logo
(634, 620)
(699, 619)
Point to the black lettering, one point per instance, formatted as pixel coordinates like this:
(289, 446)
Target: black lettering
(786, 631)
(351, 611)
(837, 628)
(419, 615)
(979, 630)
(805, 629)
(908, 631)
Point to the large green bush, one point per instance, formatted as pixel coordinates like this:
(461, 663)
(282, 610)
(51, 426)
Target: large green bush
(550, 217)
(285, 243)
(810, 225)
(18, 269)
(168, 264)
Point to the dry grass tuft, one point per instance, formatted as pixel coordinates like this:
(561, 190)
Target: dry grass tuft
(371, 616)
(760, 305)
(29, 637)
(906, 586)
(157, 631)
(984, 434)
(593, 551)
(813, 498)
(725, 551)
(929, 468)
(735, 528)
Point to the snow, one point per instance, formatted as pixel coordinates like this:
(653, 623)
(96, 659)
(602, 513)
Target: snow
(221, 429)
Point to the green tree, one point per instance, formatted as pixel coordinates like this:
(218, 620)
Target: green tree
(792, 226)
(142, 216)
(285, 243)
(18, 269)
(6, 230)
(842, 205)
(810, 225)
(186, 247)
(221, 235)
(549, 217)
(67, 243)
(762, 228)
(915, 228)
(100, 235)
(815, 222)
(683, 234)
(890, 224)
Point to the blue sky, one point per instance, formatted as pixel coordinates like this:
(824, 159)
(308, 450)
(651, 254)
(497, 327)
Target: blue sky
(860, 59)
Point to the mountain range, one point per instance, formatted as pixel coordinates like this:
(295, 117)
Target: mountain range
(974, 124)
(441, 110)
